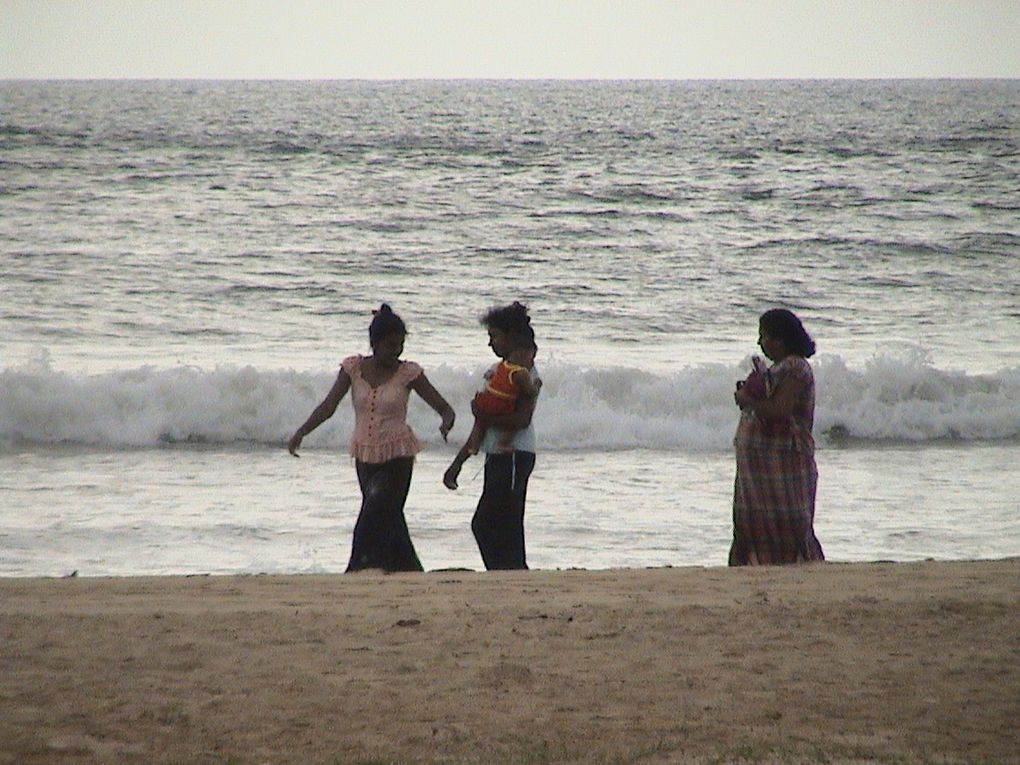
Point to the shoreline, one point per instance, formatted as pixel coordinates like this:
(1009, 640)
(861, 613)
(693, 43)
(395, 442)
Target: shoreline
(836, 662)
(428, 572)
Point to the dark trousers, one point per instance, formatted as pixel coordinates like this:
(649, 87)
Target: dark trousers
(381, 538)
(498, 523)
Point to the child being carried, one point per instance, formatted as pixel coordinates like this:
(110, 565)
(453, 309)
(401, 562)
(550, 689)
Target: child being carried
(505, 383)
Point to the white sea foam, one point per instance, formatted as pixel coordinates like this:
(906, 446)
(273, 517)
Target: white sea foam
(892, 398)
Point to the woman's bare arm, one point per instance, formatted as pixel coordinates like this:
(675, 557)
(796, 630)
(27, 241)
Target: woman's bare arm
(322, 412)
(424, 388)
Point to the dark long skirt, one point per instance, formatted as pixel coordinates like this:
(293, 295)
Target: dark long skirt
(381, 538)
(498, 523)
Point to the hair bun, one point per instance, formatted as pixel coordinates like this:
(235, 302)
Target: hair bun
(520, 311)
(384, 323)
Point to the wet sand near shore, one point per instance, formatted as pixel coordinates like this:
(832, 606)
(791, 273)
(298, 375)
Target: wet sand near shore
(838, 663)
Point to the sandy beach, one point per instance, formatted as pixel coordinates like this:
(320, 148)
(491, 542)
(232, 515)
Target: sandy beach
(837, 663)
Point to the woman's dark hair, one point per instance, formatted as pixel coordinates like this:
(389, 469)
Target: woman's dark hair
(785, 327)
(384, 324)
(514, 320)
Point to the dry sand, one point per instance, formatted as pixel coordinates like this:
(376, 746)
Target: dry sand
(888, 663)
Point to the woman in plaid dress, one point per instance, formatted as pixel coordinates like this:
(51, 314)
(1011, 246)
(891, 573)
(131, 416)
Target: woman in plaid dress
(774, 490)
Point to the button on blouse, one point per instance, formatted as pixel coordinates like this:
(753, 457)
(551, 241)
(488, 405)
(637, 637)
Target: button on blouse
(381, 432)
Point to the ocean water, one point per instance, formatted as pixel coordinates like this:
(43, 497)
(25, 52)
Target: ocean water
(184, 264)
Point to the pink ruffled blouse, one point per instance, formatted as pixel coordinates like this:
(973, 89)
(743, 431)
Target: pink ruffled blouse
(381, 432)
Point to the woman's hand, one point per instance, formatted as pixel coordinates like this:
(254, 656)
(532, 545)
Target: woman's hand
(742, 398)
(449, 417)
(322, 412)
(432, 397)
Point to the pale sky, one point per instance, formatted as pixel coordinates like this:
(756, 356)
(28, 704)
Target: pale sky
(508, 39)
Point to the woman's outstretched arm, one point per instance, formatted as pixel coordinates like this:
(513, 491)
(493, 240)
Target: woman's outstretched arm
(322, 412)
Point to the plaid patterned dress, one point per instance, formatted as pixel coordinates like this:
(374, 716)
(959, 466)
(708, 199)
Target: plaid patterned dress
(774, 490)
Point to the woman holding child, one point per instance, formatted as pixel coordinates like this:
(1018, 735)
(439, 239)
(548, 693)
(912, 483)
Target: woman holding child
(776, 480)
(507, 438)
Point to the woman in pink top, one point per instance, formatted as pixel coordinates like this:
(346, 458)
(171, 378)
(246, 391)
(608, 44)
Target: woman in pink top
(383, 445)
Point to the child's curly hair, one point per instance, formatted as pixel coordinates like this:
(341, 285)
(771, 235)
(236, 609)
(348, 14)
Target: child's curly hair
(514, 320)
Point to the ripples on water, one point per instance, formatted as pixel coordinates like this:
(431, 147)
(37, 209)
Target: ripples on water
(275, 214)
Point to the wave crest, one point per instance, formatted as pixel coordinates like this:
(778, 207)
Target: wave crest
(892, 398)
